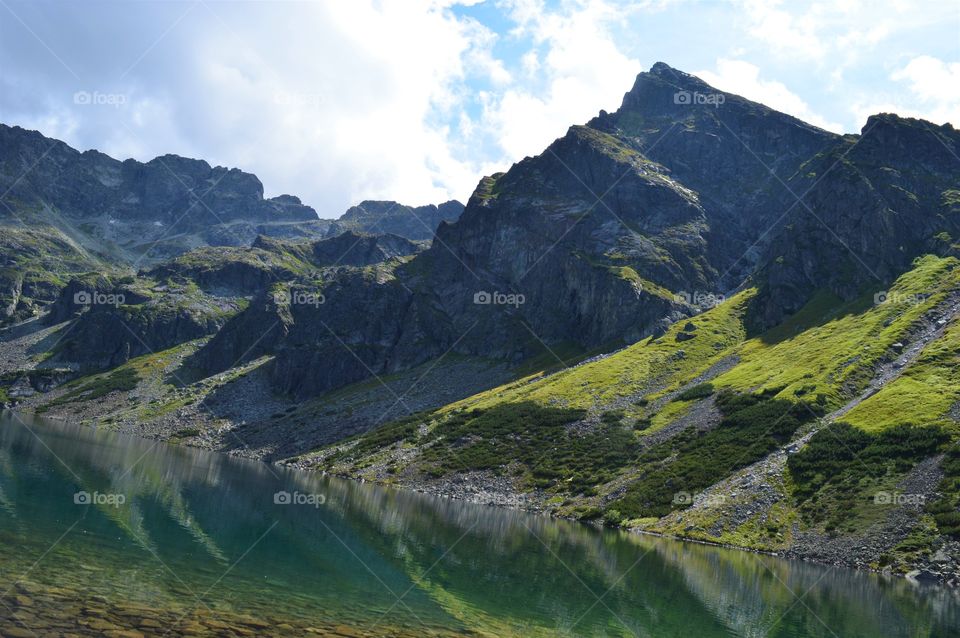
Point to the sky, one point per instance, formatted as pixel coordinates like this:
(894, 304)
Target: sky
(338, 101)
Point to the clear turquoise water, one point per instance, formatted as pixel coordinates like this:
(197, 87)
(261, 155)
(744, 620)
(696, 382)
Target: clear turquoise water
(199, 529)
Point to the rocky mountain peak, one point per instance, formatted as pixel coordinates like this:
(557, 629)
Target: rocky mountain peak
(386, 216)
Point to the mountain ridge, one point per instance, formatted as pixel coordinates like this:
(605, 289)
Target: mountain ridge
(728, 275)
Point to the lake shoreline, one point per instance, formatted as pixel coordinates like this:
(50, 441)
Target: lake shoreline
(479, 491)
(522, 503)
(189, 517)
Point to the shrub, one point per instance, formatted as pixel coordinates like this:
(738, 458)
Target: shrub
(700, 391)
(752, 426)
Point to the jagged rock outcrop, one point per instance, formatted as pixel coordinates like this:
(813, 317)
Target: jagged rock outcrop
(33, 264)
(117, 321)
(873, 204)
(250, 334)
(354, 249)
(228, 271)
(412, 222)
(232, 271)
(169, 190)
(734, 153)
(684, 188)
(134, 211)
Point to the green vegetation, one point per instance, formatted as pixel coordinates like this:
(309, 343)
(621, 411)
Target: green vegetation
(753, 425)
(539, 439)
(381, 437)
(488, 187)
(119, 380)
(39, 262)
(950, 198)
(924, 394)
(844, 473)
(700, 391)
(534, 443)
(629, 274)
(828, 351)
(608, 144)
(641, 373)
(282, 256)
(946, 509)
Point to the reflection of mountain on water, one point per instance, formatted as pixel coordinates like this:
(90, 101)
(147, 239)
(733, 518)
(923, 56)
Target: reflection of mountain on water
(757, 595)
(190, 515)
(474, 558)
(186, 516)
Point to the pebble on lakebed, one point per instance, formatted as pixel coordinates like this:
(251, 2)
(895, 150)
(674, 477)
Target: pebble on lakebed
(32, 610)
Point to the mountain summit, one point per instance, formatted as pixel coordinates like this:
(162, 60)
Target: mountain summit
(618, 229)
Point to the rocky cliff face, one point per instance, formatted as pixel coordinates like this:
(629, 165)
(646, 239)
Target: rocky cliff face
(117, 322)
(170, 190)
(619, 228)
(734, 153)
(133, 211)
(33, 264)
(412, 222)
(872, 204)
(683, 193)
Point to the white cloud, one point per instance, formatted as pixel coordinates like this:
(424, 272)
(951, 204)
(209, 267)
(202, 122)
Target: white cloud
(579, 71)
(333, 102)
(743, 78)
(783, 31)
(933, 92)
(932, 81)
(836, 34)
(412, 99)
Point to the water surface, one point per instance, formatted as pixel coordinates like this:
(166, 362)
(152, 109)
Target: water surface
(202, 544)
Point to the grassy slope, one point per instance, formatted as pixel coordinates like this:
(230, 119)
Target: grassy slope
(923, 395)
(650, 367)
(839, 352)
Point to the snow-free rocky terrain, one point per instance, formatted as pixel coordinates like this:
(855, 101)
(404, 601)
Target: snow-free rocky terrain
(699, 318)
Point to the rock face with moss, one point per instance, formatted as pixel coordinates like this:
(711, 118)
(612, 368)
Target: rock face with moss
(34, 265)
(873, 203)
(624, 225)
(117, 321)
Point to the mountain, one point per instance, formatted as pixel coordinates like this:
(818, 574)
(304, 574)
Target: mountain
(412, 222)
(665, 321)
(132, 211)
(66, 212)
(644, 213)
(832, 437)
